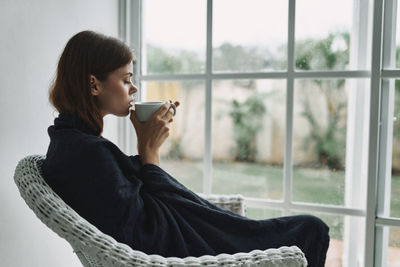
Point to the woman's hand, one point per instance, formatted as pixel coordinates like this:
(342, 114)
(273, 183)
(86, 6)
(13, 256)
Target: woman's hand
(152, 134)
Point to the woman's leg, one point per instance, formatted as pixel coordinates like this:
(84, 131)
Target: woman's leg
(307, 232)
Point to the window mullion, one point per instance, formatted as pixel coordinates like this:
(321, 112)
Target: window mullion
(267, 75)
(137, 41)
(356, 135)
(124, 34)
(391, 74)
(373, 146)
(130, 30)
(207, 175)
(386, 132)
(384, 171)
(388, 221)
(288, 158)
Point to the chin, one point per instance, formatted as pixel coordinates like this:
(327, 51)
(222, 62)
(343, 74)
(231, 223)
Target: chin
(120, 113)
(125, 113)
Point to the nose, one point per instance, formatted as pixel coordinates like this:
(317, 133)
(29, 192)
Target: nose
(133, 89)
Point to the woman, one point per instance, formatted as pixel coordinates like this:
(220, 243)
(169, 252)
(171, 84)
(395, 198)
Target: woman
(130, 197)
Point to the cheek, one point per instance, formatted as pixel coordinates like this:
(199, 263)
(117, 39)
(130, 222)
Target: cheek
(117, 94)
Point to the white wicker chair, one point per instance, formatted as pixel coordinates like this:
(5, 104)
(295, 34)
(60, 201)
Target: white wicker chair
(95, 248)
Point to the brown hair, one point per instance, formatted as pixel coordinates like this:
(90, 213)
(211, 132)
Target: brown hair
(86, 53)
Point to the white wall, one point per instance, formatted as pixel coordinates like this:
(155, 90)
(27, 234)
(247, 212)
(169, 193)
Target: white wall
(32, 37)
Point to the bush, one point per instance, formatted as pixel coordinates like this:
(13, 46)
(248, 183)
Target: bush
(247, 121)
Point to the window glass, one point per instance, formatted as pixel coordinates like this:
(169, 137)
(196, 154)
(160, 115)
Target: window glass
(174, 36)
(182, 153)
(248, 133)
(329, 125)
(323, 38)
(390, 254)
(393, 255)
(395, 186)
(249, 36)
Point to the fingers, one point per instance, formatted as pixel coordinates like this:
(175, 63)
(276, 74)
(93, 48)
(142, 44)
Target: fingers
(166, 112)
(162, 111)
(169, 115)
(177, 103)
(164, 132)
(133, 118)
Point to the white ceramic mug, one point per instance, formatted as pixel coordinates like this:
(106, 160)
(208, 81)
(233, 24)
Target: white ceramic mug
(144, 110)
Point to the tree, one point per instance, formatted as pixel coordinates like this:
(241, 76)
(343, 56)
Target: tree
(237, 58)
(247, 122)
(326, 54)
(328, 142)
(330, 53)
(228, 57)
(160, 61)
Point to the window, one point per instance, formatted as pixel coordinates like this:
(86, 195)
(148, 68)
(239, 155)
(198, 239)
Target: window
(293, 104)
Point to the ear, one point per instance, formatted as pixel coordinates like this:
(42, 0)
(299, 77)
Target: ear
(94, 85)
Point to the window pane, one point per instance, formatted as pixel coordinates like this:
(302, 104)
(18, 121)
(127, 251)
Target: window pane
(174, 41)
(262, 213)
(330, 121)
(248, 131)
(323, 37)
(395, 187)
(249, 35)
(391, 248)
(393, 253)
(346, 239)
(182, 153)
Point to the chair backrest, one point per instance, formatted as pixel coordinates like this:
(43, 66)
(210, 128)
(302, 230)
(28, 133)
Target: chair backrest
(86, 240)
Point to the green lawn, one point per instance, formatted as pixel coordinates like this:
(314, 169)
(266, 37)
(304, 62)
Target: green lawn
(263, 181)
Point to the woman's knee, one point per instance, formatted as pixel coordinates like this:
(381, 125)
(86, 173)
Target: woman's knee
(314, 223)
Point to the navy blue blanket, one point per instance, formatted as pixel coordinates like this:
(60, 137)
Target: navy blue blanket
(146, 208)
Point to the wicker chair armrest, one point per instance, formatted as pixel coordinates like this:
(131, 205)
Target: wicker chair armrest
(124, 256)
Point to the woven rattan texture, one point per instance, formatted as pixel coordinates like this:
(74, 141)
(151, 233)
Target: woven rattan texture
(94, 248)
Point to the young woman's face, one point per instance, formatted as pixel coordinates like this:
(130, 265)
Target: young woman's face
(115, 93)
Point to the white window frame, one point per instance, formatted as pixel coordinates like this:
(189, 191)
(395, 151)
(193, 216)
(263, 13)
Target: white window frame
(383, 68)
(380, 122)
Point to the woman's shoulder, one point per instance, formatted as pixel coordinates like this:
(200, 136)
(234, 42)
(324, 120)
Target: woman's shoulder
(75, 145)
(71, 145)
(80, 155)
(71, 130)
